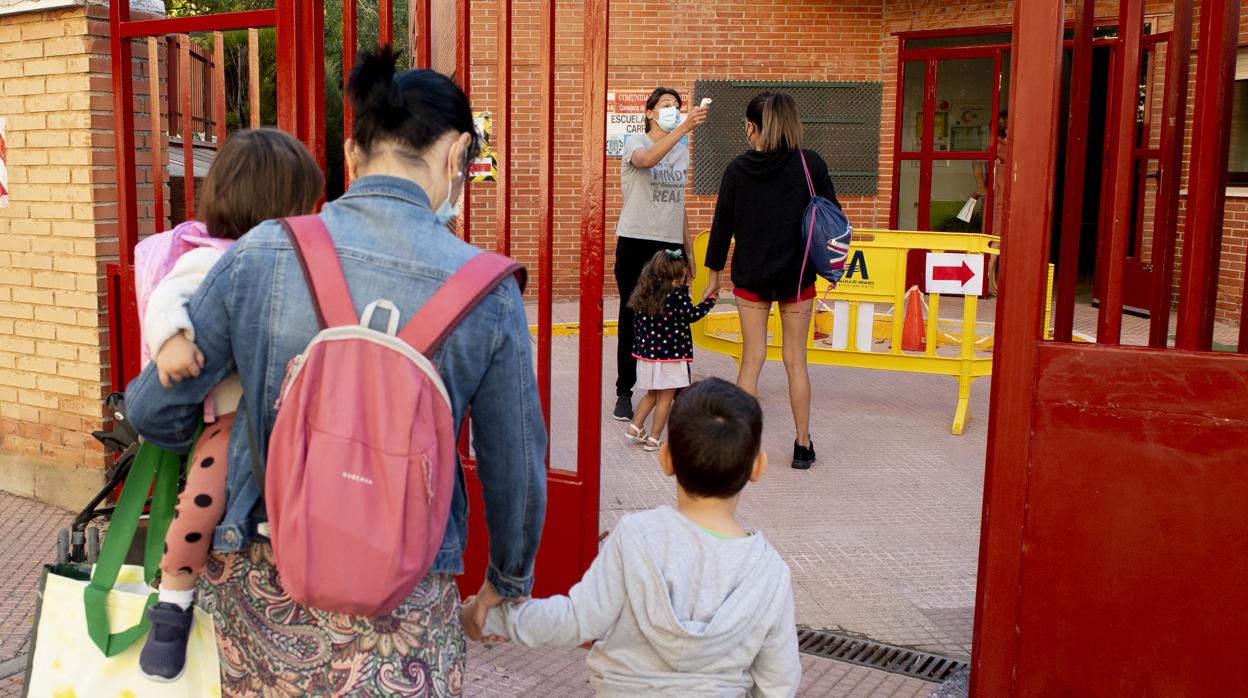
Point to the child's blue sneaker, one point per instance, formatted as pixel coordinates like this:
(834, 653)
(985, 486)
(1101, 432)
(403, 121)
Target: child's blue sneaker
(164, 654)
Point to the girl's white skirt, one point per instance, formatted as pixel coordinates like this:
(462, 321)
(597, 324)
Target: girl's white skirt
(662, 375)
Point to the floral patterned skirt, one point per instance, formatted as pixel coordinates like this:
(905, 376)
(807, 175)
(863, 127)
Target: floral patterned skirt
(272, 647)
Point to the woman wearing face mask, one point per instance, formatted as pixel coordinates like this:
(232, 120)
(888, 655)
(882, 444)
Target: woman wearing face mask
(762, 197)
(412, 138)
(654, 169)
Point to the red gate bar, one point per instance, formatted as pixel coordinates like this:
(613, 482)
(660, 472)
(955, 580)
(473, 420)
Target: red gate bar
(1131, 28)
(158, 134)
(463, 77)
(253, 75)
(593, 232)
(1076, 166)
(123, 145)
(385, 22)
(218, 85)
(348, 62)
(1037, 52)
(420, 24)
(1170, 165)
(1206, 182)
(312, 64)
(545, 207)
(227, 21)
(502, 131)
(287, 55)
(188, 136)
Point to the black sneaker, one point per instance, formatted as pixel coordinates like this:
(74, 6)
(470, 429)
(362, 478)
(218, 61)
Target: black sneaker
(803, 456)
(623, 408)
(164, 654)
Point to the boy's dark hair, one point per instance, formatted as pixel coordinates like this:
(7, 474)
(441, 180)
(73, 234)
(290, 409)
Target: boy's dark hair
(258, 175)
(655, 283)
(714, 435)
(411, 109)
(654, 98)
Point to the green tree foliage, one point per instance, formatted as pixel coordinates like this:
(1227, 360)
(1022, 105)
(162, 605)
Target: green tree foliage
(236, 68)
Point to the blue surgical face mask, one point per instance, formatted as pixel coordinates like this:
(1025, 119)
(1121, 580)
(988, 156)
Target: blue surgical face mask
(447, 211)
(669, 118)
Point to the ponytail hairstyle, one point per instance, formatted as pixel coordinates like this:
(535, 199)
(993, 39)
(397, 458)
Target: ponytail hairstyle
(407, 110)
(655, 284)
(774, 115)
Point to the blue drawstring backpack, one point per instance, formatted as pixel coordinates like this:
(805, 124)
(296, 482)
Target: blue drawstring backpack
(827, 233)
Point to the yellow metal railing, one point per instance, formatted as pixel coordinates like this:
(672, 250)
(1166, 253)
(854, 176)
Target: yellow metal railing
(875, 276)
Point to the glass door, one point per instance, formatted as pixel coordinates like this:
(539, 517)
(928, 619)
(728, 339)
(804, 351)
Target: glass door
(950, 99)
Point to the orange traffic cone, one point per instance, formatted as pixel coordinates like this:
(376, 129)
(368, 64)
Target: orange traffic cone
(913, 334)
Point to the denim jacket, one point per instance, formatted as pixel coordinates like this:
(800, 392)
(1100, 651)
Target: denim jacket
(253, 314)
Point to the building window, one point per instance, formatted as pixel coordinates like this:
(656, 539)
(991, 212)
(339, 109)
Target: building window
(1237, 160)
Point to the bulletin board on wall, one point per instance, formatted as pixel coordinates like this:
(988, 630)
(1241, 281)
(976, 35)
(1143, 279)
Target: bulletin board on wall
(841, 122)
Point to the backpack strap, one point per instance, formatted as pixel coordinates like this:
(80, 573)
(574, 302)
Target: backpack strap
(810, 234)
(322, 270)
(451, 303)
(810, 183)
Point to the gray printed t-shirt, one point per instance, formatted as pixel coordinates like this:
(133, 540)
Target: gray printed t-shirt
(654, 199)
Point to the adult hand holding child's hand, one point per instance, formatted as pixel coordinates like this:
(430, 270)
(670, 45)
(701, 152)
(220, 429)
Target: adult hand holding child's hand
(475, 609)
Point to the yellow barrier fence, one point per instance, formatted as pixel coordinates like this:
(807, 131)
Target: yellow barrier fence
(875, 276)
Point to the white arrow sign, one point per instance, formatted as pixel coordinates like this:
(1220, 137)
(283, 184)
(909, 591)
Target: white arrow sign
(955, 274)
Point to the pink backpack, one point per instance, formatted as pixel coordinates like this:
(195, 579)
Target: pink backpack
(154, 258)
(361, 462)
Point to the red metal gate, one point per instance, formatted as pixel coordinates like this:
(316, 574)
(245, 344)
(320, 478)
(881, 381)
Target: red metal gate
(1113, 558)
(147, 94)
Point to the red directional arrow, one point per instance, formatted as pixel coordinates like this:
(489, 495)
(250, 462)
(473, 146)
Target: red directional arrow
(961, 274)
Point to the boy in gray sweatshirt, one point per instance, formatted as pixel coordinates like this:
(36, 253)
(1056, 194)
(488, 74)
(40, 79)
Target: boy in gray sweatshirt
(679, 602)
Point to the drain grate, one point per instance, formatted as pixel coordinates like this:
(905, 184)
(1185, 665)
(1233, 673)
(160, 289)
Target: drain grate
(855, 649)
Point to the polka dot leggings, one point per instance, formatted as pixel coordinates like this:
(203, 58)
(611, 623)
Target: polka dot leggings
(201, 504)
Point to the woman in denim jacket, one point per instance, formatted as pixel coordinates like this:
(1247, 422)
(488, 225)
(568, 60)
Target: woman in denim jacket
(413, 136)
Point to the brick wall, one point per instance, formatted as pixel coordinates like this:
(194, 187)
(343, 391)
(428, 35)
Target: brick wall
(653, 44)
(54, 91)
(675, 44)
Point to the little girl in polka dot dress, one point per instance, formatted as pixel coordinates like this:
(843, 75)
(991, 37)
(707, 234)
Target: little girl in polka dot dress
(662, 344)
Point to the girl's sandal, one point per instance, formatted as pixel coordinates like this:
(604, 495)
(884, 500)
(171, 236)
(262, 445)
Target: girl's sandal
(635, 434)
(652, 444)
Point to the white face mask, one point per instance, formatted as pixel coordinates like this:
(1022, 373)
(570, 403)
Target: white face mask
(669, 118)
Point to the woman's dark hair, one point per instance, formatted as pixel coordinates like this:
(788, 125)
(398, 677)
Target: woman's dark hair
(1003, 114)
(410, 109)
(775, 116)
(656, 96)
(655, 284)
(259, 175)
(714, 435)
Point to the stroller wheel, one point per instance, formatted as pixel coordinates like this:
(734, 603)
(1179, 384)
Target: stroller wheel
(62, 546)
(93, 545)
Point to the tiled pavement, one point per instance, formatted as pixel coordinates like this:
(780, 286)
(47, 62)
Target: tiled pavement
(882, 535)
(495, 671)
(27, 540)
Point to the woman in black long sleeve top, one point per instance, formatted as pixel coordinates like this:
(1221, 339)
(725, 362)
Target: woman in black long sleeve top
(761, 200)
